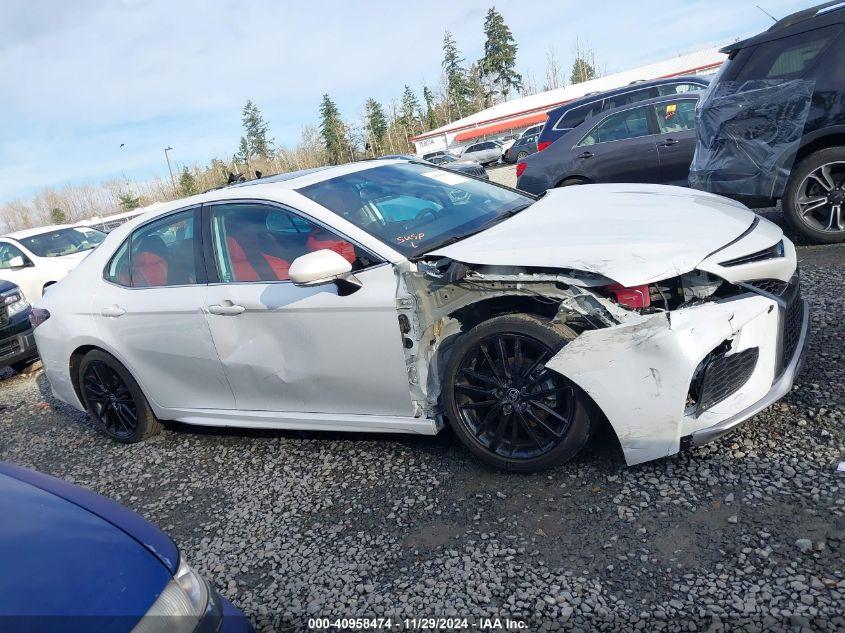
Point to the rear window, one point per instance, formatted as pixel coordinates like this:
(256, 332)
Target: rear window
(576, 116)
(789, 57)
(626, 98)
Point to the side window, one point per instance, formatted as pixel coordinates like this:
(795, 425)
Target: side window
(473, 148)
(678, 89)
(675, 116)
(117, 270)
(162, 253)
(634, 96)
(7, 253)
(618, 127)
(788, 57)
(258, 242)
(576, 116)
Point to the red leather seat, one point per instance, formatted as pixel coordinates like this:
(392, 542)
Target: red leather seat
(150, 263)
(240, 264)
(318, 241)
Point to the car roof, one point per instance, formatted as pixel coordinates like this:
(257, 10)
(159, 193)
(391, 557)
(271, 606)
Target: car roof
(24, 233)
(815, 17)
(636, 85)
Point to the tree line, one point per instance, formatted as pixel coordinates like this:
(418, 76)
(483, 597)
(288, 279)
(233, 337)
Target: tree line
(378, 129)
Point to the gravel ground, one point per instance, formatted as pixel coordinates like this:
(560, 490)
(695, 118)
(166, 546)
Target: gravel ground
(745, 534)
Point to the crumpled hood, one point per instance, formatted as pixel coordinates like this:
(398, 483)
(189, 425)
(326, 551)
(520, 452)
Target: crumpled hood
(632, 234)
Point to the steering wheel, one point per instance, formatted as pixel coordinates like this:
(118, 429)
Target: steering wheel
(424, 212)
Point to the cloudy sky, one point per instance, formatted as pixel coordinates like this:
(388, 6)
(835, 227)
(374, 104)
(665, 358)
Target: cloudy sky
(79, 78)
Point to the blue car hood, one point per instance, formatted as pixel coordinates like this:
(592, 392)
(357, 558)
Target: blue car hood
(60, 559)
(5, 286)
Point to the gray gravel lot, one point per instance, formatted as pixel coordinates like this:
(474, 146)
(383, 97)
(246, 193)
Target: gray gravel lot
(744, 534)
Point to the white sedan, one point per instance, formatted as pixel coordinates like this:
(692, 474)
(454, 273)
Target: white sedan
(394, 296)
(35, 259)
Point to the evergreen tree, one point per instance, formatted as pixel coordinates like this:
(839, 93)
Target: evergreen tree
(332, 130)
(243, 153)
(499, 62)
(458, 88)
(256, 129)
(584, 66)
(57, 216)
(376, 124)
(409, 111)
(187, 183)
(430, 110)
(128, 201)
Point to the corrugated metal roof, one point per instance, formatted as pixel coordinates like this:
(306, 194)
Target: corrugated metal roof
(683, 64)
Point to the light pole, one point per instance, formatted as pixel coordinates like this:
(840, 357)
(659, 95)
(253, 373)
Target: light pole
(169, 168)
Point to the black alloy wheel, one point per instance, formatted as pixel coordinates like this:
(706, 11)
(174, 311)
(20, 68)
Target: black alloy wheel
(503, 401)
(110, 400)
(114, 400)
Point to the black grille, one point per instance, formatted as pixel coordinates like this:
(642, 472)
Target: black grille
(774, 287)
(721, 375)
(4, 316)
(8, 348)
(792, 318)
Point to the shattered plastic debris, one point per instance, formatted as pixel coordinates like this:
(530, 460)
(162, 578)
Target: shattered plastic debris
(841, 467)
(748, 135)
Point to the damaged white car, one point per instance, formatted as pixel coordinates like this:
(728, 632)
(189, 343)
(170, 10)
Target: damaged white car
(393, 296)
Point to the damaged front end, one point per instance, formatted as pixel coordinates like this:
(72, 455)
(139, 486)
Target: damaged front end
(663, 361)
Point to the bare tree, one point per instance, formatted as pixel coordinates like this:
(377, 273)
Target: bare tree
(554, 74)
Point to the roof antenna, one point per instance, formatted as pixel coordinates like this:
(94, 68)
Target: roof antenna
(766, 12)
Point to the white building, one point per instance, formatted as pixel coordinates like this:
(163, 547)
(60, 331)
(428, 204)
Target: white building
(520, 113)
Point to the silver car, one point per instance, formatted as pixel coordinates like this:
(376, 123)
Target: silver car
(486, 152)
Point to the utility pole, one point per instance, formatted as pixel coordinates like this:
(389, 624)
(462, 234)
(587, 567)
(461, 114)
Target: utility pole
(169, 168)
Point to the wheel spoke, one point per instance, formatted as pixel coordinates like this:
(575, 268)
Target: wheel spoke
(548, 410)
(835, 223)
(503, 357)
(545, 426)
(549, 392)
(525, 425)
(499, 433)
(822, 176)
(488, 418)
(517, 356)
(543, 375)
(472, 389)
(477, 405)
(489, 360)
(481, 377)
(812, 204)
(534, 364)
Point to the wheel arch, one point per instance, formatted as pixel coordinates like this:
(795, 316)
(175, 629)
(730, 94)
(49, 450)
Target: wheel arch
(75, 361)
(833, 137)
(573, 178)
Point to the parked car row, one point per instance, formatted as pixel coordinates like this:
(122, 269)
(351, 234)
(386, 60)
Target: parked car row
(769, 129)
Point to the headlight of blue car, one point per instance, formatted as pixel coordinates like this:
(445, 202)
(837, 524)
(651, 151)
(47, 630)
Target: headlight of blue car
(15, 302)
(181, 605)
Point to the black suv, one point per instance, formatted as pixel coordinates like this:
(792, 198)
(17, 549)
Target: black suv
(17, 344)
(772, 125)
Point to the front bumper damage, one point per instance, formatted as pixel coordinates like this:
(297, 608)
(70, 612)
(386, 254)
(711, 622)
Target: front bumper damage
(640, 372)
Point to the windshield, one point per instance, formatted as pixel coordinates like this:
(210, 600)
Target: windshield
(439, 160)
(63, 241)
(415, 208)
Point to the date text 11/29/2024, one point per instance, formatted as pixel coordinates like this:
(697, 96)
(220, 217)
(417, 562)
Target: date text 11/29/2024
(418, 624)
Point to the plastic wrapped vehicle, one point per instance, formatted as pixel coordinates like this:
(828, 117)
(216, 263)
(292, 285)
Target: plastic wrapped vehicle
(771, 128)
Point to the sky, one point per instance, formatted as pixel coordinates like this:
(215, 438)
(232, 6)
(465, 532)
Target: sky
(78, 79)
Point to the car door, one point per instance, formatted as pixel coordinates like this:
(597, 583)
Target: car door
(150, 312)
(676, 141)
(473, 152)
(17, 267)
(619, 148)
(319, 349)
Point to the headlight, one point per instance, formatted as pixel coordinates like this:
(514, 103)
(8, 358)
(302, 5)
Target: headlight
(180, 606)
(15, 303)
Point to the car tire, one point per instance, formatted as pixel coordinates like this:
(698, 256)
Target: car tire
(521, 156)
(817, 224)
(114, 399)
(505, 405)
(569, 182)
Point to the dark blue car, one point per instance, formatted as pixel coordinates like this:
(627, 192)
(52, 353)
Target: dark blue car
(17, 344)
(73, 560)
(571, 115)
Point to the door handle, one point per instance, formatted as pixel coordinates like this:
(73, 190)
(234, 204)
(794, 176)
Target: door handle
(586, 155)
(113, 311)
(669, 142)
(227, 308)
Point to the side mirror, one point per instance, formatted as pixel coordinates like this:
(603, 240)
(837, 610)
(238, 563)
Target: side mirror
(17, 262)
(319, 267)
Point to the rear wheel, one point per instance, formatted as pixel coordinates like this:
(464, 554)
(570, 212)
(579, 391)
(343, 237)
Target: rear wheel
(572, 181)
(521, 155)
(815, 196)
(503, 402)
(114, 400)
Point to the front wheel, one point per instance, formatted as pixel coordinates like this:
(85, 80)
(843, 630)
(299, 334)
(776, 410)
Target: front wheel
(114, 399)
(503, 402)
(521, 156)
(815, 195)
